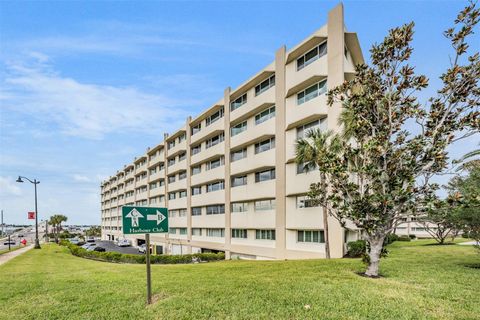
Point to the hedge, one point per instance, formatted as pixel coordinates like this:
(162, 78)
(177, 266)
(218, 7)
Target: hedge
(134, 258)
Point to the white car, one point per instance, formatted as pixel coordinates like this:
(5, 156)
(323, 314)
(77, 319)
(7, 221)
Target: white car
(142, 248)
(88, 245)
(124, 243)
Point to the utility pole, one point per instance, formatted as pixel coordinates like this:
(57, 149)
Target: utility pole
(2, 222)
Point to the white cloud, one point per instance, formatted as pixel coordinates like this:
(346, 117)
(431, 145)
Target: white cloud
(8, 187)
(81, 178)
(87, 110)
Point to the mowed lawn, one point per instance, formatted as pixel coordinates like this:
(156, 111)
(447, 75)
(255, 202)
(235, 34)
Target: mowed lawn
(420, 282)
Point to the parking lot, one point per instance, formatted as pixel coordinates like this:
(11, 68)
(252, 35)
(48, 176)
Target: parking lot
(112, 247)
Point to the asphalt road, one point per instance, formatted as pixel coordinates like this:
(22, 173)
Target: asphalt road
(27, 235)
(110, 246)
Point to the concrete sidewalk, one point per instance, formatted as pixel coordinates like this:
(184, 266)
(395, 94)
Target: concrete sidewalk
(4, 258)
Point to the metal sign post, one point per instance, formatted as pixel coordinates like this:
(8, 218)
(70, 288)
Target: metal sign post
(149, 276)
(145, 220)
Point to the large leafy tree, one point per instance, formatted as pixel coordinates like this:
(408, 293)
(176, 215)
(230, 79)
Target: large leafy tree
(379, 169)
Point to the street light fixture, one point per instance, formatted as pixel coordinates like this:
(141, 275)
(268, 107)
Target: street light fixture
(35, 182)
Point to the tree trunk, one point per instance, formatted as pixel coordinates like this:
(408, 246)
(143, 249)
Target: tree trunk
(376, 246)
(325, 232)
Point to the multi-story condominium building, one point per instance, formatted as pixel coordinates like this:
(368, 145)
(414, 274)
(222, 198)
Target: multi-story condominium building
(228, 176)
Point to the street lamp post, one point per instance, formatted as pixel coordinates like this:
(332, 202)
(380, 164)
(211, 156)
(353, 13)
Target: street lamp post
(35, 182)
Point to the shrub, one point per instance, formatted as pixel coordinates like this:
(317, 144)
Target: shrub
(356, 249)
(412, 236)
(133, 258)
(404, 238)
(391, 238)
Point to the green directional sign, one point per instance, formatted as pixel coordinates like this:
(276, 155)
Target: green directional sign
(144, 220)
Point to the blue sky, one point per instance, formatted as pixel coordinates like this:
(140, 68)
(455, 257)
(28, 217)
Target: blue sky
(87, 86)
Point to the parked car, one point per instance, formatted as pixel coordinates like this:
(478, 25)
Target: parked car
(99, 249)
(142, 248)
(74, 240)
(124, 243)
(88, 245)
(90, 239)
(9, 242)
(20, 235)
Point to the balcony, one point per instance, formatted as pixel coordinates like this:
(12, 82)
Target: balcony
(209, 221)
(253, 161)
(299, 183)
(207, 154)
(303, 218)
(179, 147)
(177, 222)
(177, 185)
(157, 191)
(253, 220)
(253, 190)
(299, 80)
(208, 175)
(254, 104)
(206, 198)
(178, 166)
(209, 131)
(311, 110)
(178, 203)
(254, 133)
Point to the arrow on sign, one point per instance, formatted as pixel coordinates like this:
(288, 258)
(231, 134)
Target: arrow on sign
(134, 215)
(159, 217)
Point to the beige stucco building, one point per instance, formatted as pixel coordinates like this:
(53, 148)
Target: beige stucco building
(228, 176)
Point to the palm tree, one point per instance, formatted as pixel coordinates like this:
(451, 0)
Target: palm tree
(468, 156)
(312, 151)
(56, 222)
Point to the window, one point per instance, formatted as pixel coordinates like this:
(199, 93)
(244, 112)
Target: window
(312, 55)
(215, 163)
(265, 175)
(196, 128)
(162, 198)
(312, 92)
(239, 154)
(317, 124)
(265, 234)
(265, 85)
(240, 207)
(182, 175)
(306, 202)
(214, 141)
(265, 115)
(153, 185)
(196, 170)
(196, 149)
(220, 185)
(171, 179)
(171, 162)
(153, 170)
(196, 231)
(172, 230)
(182, 194)
(239, 128)
(196, 190)
(161, 167)
(172, 213)
(311, 236)
(216, 209)
(196, 211)
(239, 233)
(264, 205)
(183, 231)
(182, 137)
(171, 144)
(162, 182)
(182, 212)
(216, 232)
(153, 200)
(214, 117)
(171, 196)
(264, 145)
(239, 181)
(237, 103)
(182, 156)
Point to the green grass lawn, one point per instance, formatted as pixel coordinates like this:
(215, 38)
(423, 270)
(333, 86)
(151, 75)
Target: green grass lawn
(421, 282)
